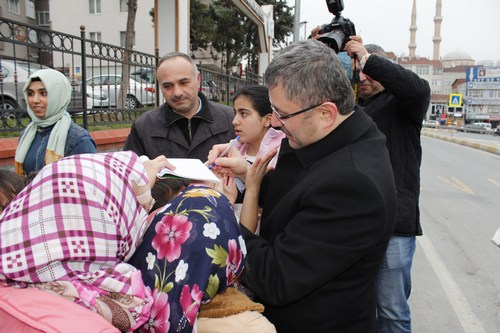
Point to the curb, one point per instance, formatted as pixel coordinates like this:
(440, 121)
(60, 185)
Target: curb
(464, 142)
(105, 140)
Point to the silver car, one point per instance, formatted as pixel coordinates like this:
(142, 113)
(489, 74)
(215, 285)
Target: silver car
(139, 92)
(13, 77)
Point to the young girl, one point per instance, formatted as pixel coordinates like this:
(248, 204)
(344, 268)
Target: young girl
(252, 123)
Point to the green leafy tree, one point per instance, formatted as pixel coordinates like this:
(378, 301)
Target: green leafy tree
(233, 36)
(230, 31)
(202, 26)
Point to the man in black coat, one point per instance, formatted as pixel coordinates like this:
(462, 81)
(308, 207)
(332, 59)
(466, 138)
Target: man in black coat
(188, 124)
(397, 100)
(328, 207)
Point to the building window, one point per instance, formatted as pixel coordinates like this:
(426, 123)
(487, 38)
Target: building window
(13, 6)
(43, 18)
(422, 70)
(30, 9)
(95, 6)
(123, 6)
(95, 36)
(437, 71)
(122, 39)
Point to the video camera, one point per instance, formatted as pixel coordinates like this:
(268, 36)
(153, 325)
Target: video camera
(336, 34)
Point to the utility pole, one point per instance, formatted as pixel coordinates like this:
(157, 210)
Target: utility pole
(304, 23)
(296, 21)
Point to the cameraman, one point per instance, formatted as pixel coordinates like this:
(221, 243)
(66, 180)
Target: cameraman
(397, 100)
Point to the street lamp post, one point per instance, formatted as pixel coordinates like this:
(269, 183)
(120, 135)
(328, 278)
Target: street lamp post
(296, 21)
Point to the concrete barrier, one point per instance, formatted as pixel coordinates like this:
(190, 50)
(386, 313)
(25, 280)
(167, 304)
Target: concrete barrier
(494, 149)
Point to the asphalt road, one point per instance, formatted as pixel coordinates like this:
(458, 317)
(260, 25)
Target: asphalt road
(456, 272)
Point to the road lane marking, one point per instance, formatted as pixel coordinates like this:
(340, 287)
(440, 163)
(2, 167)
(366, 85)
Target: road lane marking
(468, 320)
(457, 184)
(496, 182)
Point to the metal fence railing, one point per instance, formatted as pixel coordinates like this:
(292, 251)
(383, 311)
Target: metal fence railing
(94, 70)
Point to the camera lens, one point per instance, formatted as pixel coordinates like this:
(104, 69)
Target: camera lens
(334, 39)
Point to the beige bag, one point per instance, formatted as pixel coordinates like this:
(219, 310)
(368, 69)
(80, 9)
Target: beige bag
(231, 312)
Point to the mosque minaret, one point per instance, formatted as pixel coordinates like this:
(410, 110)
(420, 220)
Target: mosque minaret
(413, 30)
(437, 31)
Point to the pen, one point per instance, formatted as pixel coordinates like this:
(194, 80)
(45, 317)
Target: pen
(226, 151)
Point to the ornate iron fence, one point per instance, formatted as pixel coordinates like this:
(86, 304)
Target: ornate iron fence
(94, 70)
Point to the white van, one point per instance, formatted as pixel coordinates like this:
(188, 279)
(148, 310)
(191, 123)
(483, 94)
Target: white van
(486, 126)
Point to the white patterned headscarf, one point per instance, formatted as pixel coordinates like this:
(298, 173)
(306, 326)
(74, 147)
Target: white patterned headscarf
(59, 95)
(71, 230)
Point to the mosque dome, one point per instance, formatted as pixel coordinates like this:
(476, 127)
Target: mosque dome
(457, 55)
(457, 58)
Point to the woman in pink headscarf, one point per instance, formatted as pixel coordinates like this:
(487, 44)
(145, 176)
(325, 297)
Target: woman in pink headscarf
(71, 230)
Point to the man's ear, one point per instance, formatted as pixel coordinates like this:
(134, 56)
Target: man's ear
(329, 113)
(198, 78)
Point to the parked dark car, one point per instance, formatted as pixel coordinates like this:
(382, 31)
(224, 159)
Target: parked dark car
(146, 74)
(210, 89)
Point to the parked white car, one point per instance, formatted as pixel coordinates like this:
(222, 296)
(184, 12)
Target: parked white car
(139, 91)
(431, 123)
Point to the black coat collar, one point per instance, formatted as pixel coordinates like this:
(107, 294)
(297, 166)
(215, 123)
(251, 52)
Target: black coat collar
(348, 132)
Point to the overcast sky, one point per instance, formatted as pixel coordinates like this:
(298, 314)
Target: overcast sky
(471, 26)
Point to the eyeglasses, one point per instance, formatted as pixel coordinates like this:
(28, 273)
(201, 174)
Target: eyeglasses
(290, 115)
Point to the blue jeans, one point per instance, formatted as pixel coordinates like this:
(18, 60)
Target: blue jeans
(394, 286)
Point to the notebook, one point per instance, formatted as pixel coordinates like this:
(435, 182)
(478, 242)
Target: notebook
(189, 168)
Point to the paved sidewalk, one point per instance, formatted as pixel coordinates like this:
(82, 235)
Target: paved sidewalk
(486, 143)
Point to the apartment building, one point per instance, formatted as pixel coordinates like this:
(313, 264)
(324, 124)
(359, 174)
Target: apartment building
(104, 21)
(21, 11)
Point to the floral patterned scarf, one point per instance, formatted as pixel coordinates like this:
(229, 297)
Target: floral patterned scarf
(192, 250)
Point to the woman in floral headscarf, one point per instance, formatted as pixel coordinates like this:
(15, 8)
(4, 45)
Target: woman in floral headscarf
(191, 251)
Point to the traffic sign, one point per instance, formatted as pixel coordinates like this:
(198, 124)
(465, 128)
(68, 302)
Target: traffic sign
(455, 100)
